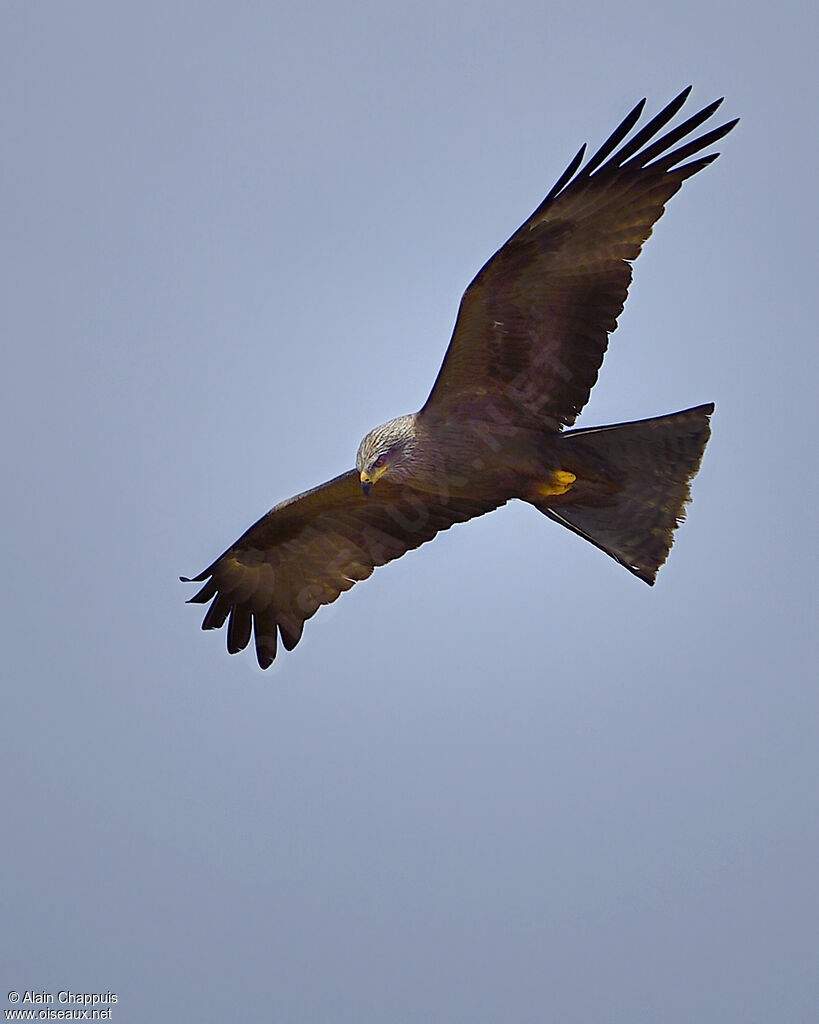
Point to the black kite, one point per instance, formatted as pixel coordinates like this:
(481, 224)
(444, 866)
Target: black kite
(527, 346)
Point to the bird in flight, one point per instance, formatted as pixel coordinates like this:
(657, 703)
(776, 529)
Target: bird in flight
(528, 342)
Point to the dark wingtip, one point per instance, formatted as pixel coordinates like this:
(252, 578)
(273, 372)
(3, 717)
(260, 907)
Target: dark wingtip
(197, 579)
(638, 109)
(264, 658)
(564, 177)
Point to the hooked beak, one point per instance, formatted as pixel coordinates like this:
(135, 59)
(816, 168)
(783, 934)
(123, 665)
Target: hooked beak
(366, 483)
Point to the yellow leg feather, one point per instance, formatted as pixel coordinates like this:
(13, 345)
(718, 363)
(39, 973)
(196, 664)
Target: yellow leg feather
(560, 482)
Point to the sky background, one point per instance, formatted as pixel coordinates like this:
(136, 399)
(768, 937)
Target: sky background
(503, 780)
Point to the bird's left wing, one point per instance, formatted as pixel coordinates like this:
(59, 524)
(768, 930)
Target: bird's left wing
(534, 324)
(309, 549)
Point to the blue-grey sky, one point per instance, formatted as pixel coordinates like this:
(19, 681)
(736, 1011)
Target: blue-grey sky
(502, 780)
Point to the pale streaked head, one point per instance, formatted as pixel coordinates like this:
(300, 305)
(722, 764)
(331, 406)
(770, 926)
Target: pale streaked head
(386, 450)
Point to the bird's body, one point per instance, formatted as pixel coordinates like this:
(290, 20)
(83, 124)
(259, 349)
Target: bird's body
(444, 459)
(469, 456)
(529, 340)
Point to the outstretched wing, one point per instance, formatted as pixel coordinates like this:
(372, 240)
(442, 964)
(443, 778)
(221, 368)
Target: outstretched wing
(307, 550)
(534, 324)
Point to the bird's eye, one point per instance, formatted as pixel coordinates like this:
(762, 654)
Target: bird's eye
(380, 461)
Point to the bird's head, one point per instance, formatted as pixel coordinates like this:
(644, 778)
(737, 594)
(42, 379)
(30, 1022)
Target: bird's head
(386, 451)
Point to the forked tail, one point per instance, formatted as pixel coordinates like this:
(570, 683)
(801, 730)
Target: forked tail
(633, 482)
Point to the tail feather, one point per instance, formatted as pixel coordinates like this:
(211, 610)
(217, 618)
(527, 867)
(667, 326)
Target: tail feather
(633, 485)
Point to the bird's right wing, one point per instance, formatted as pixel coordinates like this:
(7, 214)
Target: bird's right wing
(534, 324)
(309, 549)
